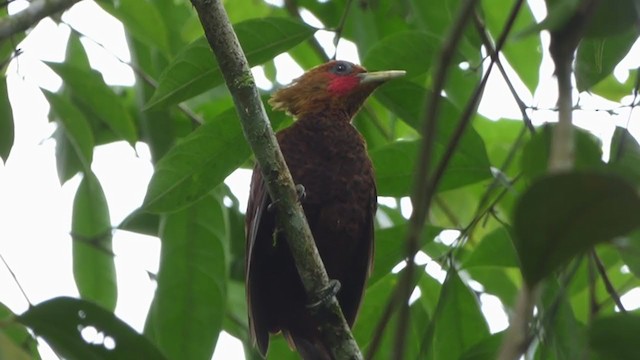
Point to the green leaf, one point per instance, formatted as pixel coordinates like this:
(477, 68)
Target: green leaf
(76, 54)
(89, 87)
(625, 155)
(391, 250)
(76, 126)
(395, 163)
(61, 321)
(459, 323)
(536, 152)
(614, 337)
(395, 167)
(411, 51)
(612, 20)
(68, 163)
(523, 53)
(93, 265)
(6, 121)
(597, 57)
(194, 69)
(629, 250)
(199, 163)
(142, 20)
(189, 306)
(594, 208)
(141, 222)
(11, 350)
(611, 89)
(495, 249)
(15, 340)
(486, 349)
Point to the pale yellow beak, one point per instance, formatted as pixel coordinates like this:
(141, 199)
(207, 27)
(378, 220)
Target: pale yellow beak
(380, 76)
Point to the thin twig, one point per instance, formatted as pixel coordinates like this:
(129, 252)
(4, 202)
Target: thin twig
(593, 298)
(37, 10)
(258, 132)
(496, 58)
(607, 282)
(421, 197)
(294, 11)
(15, 279)
(338, 30)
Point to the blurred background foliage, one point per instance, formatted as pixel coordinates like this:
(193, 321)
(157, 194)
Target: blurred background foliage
(497, 220)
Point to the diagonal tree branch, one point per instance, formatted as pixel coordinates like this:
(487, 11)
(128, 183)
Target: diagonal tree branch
(38, 10)
(257, 130)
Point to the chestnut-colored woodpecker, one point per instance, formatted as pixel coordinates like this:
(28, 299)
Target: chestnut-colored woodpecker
(328, 157)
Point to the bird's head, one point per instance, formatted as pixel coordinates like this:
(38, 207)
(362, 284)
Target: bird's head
(334, 87)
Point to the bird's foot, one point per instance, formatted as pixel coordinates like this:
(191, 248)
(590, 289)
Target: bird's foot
(301, 195)
(324, 295)
(302, 192)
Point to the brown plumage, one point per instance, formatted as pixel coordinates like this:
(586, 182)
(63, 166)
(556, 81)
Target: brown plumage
(328, 156)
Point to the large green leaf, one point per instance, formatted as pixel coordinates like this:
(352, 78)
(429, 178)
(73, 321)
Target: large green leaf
(395, 163)
(11, 350)
(194, 69)
(189, 306)
(597, 57)
(612, 89)
(495, 249)
(612, 20)
(624, 155)
(395, 167)
(199, 163)
(6, 121)
(486, 349)
(391, 249)
(523, 53)
(89, 87)
(536, 152)
(93, 265)
(561, 216)
(410, 51)
(142, 20)
(68, 163)
(61, 322)
(615, 337)
(458, 321)
(76, 126)
(15, 340)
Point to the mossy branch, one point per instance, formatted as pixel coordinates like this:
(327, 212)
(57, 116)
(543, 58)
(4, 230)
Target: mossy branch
(258, 132)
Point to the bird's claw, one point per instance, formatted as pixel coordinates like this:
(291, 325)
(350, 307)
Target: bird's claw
(300, 190)
(324, 295)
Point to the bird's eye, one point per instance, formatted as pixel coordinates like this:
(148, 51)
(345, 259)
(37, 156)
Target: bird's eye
(342, 68)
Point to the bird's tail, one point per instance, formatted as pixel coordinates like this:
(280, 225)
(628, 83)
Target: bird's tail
(309, 348)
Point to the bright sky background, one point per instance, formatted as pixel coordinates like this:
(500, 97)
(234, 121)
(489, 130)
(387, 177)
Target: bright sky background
(36, 211)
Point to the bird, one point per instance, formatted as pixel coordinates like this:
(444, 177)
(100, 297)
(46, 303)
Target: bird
(328, 159)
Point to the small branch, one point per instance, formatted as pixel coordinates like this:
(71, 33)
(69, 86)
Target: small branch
(563, 45)
(257, 129)
(294, 11)
(340, 27)
(607, 283)
(422, 192)
(496, 58)
(37, 10)
(15, 279)
(593, 299)
(564, 42)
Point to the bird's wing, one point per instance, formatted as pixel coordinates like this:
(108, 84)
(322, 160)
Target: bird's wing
(256, 208)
